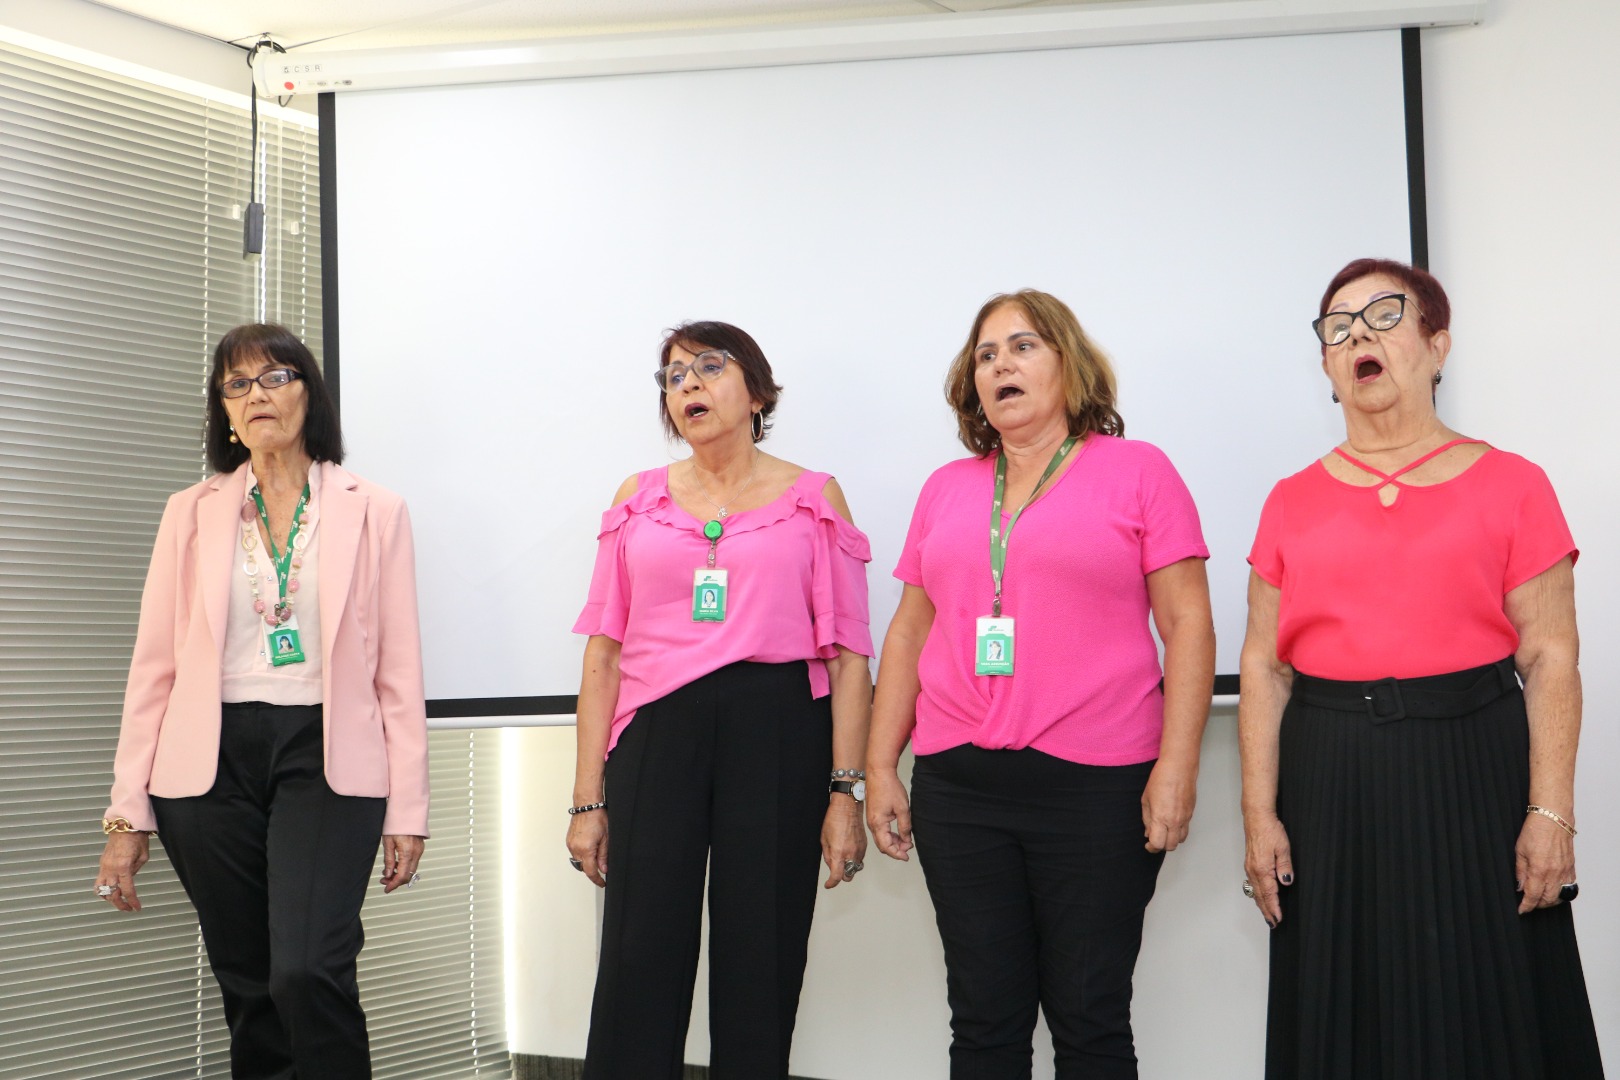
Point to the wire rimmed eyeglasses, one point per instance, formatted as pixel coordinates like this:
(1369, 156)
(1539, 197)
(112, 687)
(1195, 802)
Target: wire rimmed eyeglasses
(707, 366)
(235, 388)
(1382, 314)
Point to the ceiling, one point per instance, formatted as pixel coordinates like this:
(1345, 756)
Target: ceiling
(371, 24)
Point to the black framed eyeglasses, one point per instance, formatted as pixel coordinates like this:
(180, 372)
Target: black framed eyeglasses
(1382, 314)
(235, 388)
(707, 366)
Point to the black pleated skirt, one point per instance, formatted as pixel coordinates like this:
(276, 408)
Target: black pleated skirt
(1401, 954)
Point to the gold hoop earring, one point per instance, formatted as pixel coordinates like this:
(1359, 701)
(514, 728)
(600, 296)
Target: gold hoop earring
(756, 426)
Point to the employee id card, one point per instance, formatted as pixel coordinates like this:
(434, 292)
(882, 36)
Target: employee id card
(993, 646)
(708, 595)
(282, 643)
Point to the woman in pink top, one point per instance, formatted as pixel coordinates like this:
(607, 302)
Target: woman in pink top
(1409, 810)
(1052, 773)
(727, 688)
(274, 727)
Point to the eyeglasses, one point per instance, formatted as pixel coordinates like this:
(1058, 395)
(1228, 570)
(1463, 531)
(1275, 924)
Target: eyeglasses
(1382, 314)
(235, 388)
(707, 366)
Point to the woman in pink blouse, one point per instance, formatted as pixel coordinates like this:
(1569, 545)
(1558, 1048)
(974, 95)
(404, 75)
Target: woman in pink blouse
(722, 723)
(1052, 772)
(1409, 809)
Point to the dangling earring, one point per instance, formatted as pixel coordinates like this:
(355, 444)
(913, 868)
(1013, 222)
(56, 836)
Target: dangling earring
(1335, 397)
(1437, 378)
(233, 435)
(757, 426)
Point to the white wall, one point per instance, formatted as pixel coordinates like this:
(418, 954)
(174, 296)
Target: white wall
(1524, 168)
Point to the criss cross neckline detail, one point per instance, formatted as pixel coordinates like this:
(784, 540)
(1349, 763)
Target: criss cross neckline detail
(1394, 477)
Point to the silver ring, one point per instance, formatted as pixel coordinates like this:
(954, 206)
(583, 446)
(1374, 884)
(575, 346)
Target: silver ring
(105, 891)
(1248, 889)
(576, 864)
(415, 877)
(853, 867)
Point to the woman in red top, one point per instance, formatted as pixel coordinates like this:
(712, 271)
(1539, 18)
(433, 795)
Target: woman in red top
(1409, 809)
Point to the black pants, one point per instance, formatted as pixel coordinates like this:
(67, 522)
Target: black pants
(276, 864)
(729, 773)
(1039, 878)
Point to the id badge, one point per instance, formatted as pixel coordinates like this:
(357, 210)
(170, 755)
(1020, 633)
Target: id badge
(993, 647)
(282, 644)
(708, 595)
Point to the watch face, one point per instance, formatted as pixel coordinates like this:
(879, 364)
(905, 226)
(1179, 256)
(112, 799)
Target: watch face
(858, 789)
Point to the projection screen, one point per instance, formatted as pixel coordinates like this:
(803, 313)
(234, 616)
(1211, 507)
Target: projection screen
(511, 253)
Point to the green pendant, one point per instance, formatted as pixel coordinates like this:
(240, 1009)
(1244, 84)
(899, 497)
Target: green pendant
(712, 530)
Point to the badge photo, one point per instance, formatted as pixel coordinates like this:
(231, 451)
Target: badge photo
(708, 595)
(993, 647)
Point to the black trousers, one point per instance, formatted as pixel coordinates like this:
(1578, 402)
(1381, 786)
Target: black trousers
(728, 773)
(1039, 878)
(277, 864)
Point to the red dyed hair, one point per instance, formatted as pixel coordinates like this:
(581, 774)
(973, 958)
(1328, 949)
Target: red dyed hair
(1420, 286)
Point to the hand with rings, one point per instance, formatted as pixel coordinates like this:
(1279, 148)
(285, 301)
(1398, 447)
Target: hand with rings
(843, 841)
(400, 857)
(121, 859)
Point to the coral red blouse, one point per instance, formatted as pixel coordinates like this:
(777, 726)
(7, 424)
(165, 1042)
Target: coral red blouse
(1414, 588)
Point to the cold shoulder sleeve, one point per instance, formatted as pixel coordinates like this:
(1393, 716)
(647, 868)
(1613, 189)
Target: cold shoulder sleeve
(607, 605)
(838, 589)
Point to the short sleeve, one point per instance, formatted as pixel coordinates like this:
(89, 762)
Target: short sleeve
(1266, 554)
(838, 584)
(909, 568)
(1170, 527)
(1540, 535)
(607, 606)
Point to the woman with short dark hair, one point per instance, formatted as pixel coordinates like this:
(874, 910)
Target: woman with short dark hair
(1409, 808)
(274, 726)
(721, 725)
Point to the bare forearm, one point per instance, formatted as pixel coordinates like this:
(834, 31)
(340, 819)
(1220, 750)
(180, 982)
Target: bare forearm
(1189, 676)
(1260, 708)
(598, 698)
(851, 709)
(894, 710)
(1552, 697)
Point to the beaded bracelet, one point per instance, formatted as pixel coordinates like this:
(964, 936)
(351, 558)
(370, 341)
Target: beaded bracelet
(572, 810)
(1556, 818)
(849, 774)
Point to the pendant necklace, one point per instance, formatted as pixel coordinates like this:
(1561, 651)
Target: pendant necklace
(721, 511)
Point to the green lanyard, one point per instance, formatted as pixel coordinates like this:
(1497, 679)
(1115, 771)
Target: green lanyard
(998, 539)
(283, 562)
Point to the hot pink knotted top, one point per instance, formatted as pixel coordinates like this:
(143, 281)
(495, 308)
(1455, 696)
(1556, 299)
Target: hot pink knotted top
(796, 589)
(1414, 588)
(1086, 681)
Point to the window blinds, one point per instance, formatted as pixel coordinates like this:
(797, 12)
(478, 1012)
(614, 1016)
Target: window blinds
(120, 266)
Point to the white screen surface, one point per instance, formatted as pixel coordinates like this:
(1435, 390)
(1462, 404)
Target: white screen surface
(510, 255)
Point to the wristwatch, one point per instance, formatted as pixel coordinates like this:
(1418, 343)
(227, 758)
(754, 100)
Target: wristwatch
(855, 789)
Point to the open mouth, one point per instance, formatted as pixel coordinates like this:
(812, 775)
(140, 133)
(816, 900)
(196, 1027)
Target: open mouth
(1368, 369)
(695, 410)
(1007, 392)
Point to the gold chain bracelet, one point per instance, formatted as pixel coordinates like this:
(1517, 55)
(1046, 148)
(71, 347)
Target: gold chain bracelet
(117, 824)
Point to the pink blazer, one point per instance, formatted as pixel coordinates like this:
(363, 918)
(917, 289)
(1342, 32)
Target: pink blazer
(371, 651)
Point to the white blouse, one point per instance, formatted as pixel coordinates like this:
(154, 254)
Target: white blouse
(248, 673)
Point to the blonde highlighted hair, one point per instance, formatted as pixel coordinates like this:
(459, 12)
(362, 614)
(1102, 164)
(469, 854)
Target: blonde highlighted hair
(1089, 389)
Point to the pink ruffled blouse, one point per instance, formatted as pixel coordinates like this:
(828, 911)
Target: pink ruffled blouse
(796, 589)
